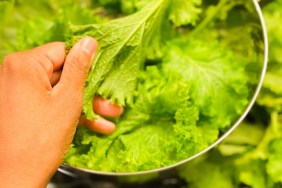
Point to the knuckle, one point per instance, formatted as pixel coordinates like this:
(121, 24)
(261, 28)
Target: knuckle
(8, 58)
(12, 62)
(27, 63)
(56, 52)
(21, 63)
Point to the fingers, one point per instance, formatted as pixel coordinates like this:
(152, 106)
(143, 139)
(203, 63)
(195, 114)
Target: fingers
(50, 56)
(54, 51)
(55, 77)
(105, 108)
(40, 61)
(76, 66)
(99, 125)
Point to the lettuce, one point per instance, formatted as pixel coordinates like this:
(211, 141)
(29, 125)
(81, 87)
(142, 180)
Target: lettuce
(251, 156)
(181, 75)
(180, 105)
(121, 42)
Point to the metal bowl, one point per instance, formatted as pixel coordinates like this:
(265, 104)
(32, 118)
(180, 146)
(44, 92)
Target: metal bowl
(262, 54)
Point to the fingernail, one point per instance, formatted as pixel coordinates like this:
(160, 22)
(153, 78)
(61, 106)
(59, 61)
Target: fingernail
(89, 45)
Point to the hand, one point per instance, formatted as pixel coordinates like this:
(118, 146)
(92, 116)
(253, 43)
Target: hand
(41, 103)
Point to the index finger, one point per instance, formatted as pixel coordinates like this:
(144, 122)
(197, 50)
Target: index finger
(55, 52)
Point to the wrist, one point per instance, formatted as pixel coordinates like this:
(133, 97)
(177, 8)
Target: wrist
(23, 174)
(11, 178)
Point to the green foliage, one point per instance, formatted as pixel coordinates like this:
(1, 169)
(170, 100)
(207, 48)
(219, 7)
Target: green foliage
(178, 70)
(122, 44)
(252, 155)
(173, 115)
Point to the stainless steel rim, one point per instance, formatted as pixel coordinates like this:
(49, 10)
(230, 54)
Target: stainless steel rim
(64, 168)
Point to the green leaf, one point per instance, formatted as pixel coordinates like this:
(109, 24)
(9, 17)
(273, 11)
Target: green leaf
(253, 174)
(122, 44)
(209, 171)
(273, 17)
(274, 163)
(216, 79)
(184, 12)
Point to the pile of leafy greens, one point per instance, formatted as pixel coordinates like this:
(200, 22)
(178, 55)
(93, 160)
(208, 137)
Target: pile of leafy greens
(252, 155)
(175, 65)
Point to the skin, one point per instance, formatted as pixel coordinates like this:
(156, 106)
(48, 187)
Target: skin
(41, 93)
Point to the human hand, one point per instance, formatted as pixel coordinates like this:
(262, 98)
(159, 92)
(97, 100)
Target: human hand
(41, 103)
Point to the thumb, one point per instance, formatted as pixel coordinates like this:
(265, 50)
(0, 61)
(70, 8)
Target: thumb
(77, 65)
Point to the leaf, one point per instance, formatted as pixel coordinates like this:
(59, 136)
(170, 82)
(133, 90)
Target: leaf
(274, 164)
(184, 12)
(215, 79)
(219, 172)
(122, 44)
(252, 174)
